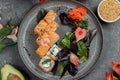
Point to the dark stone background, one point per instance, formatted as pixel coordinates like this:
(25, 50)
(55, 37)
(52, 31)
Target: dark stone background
(16, 9)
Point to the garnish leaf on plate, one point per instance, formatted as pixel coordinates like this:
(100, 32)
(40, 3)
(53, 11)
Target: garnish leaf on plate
(83, 59)
(67, 39)
(66, 21)
(91, 35)
(63, 54)
(82, 50)
(66, 43)
(83, 24)
(64, 70)
(41, 14)
(69, 35)
(72, 69)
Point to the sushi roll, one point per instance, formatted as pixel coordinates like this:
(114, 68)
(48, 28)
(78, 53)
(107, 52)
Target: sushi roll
(45, 42)
(52, 27)
(46, 23)
(53, 52)
(46, 64)
(50, 16)
(39, 29)
(48, 37)
(42, 50)
(42, 39)
(53, 36)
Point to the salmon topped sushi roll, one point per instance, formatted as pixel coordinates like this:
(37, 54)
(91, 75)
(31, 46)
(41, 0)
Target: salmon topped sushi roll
(42, 51)
(53, 36)
(40, 39)
(50, 37)
(48, 21)
(50, 15)
(42, 23)
(46, 41)
(46, 35)
(52, 26)
(39, 29)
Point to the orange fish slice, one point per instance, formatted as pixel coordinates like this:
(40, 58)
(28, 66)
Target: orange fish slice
(40, 27)
(42, 50)
(41, 38)
(53, 36)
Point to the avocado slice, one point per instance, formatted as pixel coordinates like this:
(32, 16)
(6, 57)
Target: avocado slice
(8, 72)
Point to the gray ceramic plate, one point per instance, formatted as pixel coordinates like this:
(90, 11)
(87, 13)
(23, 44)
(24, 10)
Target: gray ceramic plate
(27, 45)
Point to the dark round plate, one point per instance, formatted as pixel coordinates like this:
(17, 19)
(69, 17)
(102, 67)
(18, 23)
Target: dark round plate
(27, 44)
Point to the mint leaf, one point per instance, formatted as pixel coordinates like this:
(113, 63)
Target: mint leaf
(82, 49)
(6, 31)
(46, 61)
(69, 35)
(83, 24)
(66, 43)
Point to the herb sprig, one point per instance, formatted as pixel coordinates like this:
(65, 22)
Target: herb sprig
(6, 30)
(46, 61)
(5, 33)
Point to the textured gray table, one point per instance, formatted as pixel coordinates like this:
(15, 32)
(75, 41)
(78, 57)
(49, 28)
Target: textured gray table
(16, 9)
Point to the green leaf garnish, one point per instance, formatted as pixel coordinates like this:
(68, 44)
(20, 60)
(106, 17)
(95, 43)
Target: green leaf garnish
(41, 14)
(63, 67)
(83, 24)
(64, 63)
(82, 50)
(6, 31)
(46, 61)
(69, 35)
(83, 59)
(67, 39)
(66, 43)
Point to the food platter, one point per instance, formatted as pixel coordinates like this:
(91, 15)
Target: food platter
(27, 45)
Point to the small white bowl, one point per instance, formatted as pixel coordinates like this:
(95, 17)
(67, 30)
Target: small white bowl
(108, 21)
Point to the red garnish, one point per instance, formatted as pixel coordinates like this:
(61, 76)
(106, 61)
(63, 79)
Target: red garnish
(109, 76)
(42, 1)
(74, 59)
(77, 13)
(116, 66)
(80, 34)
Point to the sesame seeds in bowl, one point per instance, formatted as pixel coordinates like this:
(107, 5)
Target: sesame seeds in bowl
(109, 10)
